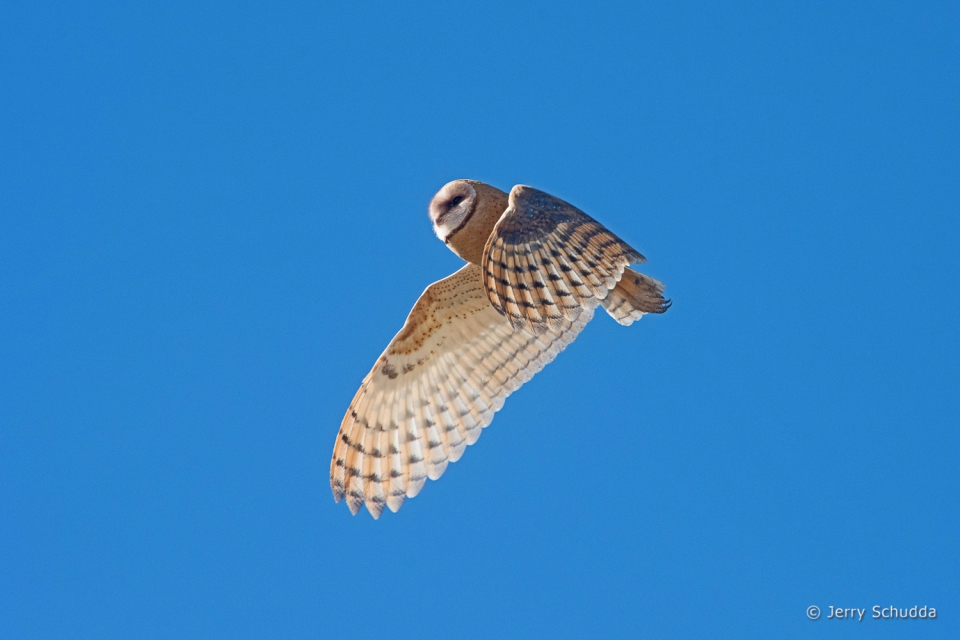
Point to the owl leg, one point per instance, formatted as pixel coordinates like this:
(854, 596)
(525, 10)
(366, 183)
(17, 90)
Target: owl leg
(635, 295)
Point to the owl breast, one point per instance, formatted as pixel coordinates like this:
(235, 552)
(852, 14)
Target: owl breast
(469, 239)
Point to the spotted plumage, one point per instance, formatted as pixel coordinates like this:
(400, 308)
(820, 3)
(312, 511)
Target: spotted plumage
(537, 268)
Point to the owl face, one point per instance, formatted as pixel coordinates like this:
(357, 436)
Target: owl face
(451, 208)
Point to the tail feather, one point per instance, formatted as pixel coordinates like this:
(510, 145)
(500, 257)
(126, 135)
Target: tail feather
(635, 295)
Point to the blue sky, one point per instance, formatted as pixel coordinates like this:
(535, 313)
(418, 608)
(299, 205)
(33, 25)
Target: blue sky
(213, 219)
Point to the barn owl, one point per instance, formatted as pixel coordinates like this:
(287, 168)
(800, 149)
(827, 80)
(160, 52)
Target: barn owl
(536, 269)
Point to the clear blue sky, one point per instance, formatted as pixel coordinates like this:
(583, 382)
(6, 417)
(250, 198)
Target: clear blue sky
(212, 221)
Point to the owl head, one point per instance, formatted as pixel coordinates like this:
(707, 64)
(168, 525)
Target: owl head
(452, 207)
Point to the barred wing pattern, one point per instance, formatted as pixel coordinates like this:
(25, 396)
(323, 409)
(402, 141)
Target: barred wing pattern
(438, 383)
(546, 261)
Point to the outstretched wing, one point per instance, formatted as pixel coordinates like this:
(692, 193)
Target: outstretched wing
(435, 387)
(546, 261)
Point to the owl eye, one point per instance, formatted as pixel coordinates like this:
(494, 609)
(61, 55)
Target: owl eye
(454, 202)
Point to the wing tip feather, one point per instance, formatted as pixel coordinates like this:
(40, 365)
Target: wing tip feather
(354, 502)
(394, 502)
(338, 493)
(375, 506)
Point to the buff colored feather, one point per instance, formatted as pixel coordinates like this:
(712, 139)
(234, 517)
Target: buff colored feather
(475, 337)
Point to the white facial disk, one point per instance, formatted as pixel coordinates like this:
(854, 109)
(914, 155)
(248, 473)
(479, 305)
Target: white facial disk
(452, 204)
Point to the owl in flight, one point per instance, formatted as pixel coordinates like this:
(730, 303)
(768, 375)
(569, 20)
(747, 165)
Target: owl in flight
(536, 269)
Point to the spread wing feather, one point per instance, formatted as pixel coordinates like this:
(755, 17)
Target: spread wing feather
(546, 261)
(439, 382)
